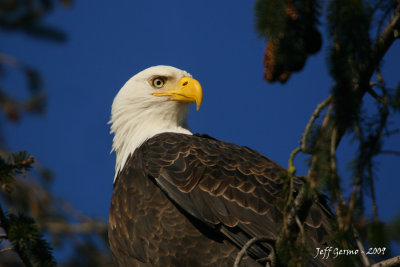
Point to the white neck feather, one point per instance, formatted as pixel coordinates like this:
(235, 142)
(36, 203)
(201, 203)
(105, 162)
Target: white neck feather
(134, 122)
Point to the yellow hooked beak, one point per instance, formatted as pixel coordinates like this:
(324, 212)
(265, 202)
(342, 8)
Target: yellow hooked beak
(189, 90)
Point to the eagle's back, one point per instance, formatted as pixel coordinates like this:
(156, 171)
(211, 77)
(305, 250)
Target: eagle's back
(147, 229)
(172, 204)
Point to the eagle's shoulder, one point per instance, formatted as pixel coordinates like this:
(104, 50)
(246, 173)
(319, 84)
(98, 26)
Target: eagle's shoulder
(204, 145)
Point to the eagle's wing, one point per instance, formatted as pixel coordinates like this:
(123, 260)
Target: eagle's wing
(232, 189)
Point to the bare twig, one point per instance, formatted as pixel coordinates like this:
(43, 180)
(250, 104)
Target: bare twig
(333, 169)
(250, 243)
(77, 228)
(9, 60)
(357, 182)
(364, 258)
(395, 261)
(373, 198)
(338, 198)
(292, 168)
(291, 172)
(303, 202)
(314, 116)
(24, 163)
(375, 95)
(393, 152)
(386, 13)
(302, 232)
(352, 203)
(6, 249)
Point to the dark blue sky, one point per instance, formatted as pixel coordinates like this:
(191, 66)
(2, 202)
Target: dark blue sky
(216, 42)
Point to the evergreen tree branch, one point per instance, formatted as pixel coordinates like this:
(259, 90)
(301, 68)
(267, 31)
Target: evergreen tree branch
(61, 222)
(304, 199)
(24, 163)
(305, 135)
(356, 83)
(379, 49)
(302, 202)
(382, 44)
(4, 223)
(23, 195)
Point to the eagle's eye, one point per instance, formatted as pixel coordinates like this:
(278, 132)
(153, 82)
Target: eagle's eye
(158, 82)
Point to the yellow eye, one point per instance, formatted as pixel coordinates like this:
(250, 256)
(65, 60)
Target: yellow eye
(158, 82)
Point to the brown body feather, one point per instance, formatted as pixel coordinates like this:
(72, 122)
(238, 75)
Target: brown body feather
(184, 200)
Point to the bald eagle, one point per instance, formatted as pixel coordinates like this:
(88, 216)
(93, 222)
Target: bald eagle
(182, 199)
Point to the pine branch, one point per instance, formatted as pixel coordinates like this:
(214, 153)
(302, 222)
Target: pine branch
(379, 49)
(17, 163)
(302, 202)
(26, 240)
(305, 197)
(22, 161)
(4, 223)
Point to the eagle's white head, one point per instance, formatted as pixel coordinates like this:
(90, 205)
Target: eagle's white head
(156, 100)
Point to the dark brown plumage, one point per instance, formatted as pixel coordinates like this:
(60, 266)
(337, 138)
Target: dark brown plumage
(187, 200)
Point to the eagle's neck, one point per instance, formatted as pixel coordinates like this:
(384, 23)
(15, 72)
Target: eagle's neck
(132, 126)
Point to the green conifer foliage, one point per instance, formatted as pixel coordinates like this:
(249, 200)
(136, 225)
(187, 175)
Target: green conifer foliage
(290, 26)
(31, 217)
(358, 35)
